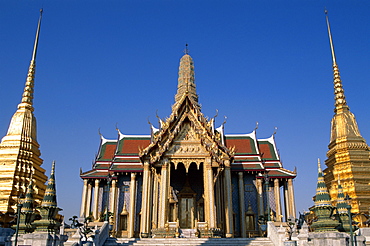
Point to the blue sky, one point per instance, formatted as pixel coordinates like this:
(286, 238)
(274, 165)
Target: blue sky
(102, 63)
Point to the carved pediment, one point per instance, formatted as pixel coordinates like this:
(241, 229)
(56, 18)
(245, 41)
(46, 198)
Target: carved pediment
(186, 134)
(187, 143)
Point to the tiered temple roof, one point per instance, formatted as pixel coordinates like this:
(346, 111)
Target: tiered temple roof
(251, 155)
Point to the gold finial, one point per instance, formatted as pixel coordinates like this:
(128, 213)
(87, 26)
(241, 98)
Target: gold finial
(340, 99)
(37, 36)
(27, 97)
(330, 38)
(186, 80)
(53, 168)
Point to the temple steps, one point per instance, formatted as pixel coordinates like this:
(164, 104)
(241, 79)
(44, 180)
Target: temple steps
(260, 241)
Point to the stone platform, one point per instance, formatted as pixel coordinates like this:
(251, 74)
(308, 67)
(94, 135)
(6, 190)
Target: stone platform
(262, 241)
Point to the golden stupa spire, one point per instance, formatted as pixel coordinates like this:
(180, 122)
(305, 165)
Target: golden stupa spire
(348, 151)
(340, 99)
(344, 123)
(19, 149)
(186, 79)
(27, 98)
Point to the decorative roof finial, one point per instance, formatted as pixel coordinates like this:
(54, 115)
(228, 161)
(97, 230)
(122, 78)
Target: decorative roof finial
(186, 51)
(186, 81)
(319, 165)
(330, 38)
(275, 130)
(37, 36)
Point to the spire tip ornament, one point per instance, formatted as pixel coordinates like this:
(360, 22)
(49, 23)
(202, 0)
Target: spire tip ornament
(186, 51)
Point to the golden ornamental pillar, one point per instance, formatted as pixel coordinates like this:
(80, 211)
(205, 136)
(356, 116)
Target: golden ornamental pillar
(96, 200)
(291, 198)
(163, 198)
(149, 201)
(286, 201)
(242, 205)
(229, 205)
(260, 197)
(88, 199)
(155, 200)
(112, 200)
(277, 200)
(131, 222)
(84, 200)
(144, 204)
(219, 208)
(210, 195)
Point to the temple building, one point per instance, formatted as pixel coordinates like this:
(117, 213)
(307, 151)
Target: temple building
(19, 151)
(348, 155)
(188, 177)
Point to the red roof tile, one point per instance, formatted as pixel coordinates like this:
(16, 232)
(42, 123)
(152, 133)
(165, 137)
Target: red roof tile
(131, 146)
(242, 145)
(109, 151)
(265, 150)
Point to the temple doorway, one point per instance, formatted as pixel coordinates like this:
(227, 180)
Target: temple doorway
(187, 192)
(186, 212)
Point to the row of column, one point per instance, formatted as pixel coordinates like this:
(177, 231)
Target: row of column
(88, 193)
(288, 197)
(210, 212)
(150, 199)
(87, 198)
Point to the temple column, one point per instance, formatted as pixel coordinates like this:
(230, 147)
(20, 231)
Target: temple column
(260, 197)
(144, 203)
(150, 201)
(112, 202)
(209, 194)
(219, 205)
(163, 201)
(155, 200)
(84, 200)
(96, 200)
(88, 199)
(291, 198)
(229, 205)
(242, 205)
(286, 201)
(277, 200)
(131, 217)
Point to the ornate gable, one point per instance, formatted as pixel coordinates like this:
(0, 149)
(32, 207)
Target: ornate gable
(186, 134)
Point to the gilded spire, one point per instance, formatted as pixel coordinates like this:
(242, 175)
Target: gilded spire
(27, 98)
(186, 80)
(344, 123)
(19, 149)
(50, 197)
(340, 99)
(322, 195)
